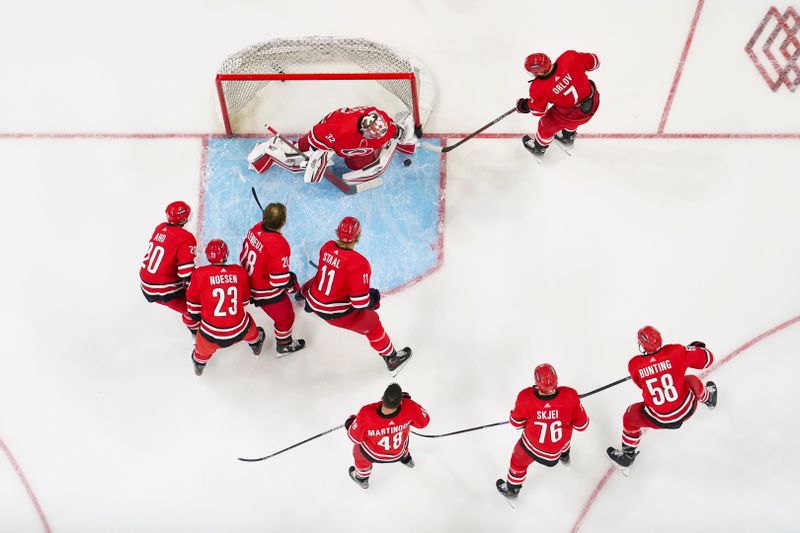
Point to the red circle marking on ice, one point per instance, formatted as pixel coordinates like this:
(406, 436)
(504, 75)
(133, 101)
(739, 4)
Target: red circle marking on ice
(27, 486)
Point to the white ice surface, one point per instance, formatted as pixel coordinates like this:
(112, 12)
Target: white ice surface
(560, 262)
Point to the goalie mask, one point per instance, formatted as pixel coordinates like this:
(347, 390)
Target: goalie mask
(372, 125)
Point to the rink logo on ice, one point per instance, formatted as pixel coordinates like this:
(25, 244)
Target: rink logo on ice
(774, 48)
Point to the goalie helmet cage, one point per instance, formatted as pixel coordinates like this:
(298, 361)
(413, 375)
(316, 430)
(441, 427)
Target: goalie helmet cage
(246, 72)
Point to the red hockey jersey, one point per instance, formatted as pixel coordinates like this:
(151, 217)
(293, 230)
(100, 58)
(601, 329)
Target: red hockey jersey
(265, 257)
(547, 421)
(339, 132)
(168, 262)
(384, 438)
(341, 283)
(567, 85)
(216, 298)
(667, 397)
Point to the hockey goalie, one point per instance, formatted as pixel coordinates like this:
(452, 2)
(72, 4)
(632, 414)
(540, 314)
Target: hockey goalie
(365, 137)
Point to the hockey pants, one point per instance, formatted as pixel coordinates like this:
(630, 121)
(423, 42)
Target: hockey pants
(634, 419)
(368, 323)
(204, 348)
(363, 463)
(282, 314)
(521, 460)
(562, 118)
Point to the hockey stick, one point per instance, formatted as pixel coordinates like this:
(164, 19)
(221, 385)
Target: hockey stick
(310, 262)
(604, 387)
(253, 189)
(584, 395)
(433, 148)
(292, 446)
(460, 430)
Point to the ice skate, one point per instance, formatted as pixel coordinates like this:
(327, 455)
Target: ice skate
(622, 458)
(509, 491)
(362, 482)
(564, 459)
(566, 137)
(397, 361)
(711, 387)
(198, 367)
(533, 146)
(284, 348)
(259, 344)
(408, 461)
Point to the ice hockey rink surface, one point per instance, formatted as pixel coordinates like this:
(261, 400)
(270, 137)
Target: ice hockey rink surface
(678, 208)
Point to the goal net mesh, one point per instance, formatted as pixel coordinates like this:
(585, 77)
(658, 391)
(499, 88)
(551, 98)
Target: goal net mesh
(324, 55)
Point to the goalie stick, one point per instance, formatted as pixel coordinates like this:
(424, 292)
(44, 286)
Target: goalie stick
(446, 149)
(584, 395)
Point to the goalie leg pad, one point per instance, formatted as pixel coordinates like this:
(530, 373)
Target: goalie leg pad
(264, 154)
(315, 168)
(374, 170)
(406, 140)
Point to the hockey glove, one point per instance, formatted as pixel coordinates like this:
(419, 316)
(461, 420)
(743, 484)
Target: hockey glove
(349, 421)
(698, 344)
(523, 106)
(406, 396)
(292, 286)
(374, 299)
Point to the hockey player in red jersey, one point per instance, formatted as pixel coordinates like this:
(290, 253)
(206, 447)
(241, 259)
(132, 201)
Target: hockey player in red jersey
(215, 304)
(340, 293)
(169, 260)
(380, 432)
(670, 396)
(364, 136)
(564, 86)
(546, 414)
(265, 257)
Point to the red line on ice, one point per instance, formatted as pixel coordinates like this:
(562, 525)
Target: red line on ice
(27, 486)
(744, 347)
(679, 70)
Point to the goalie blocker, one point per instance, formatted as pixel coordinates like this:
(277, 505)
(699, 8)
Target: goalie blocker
(365, 137)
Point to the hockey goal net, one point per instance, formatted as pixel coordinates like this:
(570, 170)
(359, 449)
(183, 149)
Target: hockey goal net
(246, 72)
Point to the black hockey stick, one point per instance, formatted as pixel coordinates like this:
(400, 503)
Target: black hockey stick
(468, 137)
(604, 387)
(460, 430)
(256, 197)
(584, 395)
(292, 446)
(310, 262)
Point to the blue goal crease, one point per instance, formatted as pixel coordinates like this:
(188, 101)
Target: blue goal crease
(400, 220)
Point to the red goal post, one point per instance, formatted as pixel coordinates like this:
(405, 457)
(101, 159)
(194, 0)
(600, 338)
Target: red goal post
(244, 73)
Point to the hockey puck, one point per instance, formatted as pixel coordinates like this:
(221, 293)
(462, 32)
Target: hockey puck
(407, 162)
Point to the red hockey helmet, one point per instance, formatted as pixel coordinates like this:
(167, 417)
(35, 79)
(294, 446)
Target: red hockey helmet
(546, 378)
(349, 229)
(538, 64)
(649, 339)
(216, 251)
(178, 213)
